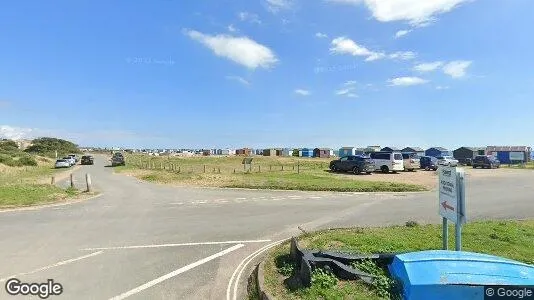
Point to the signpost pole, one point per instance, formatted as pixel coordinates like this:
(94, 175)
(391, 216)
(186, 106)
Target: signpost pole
(445, 234)
(460, 210)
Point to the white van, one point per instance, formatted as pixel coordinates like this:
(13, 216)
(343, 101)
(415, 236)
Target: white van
(387, 161)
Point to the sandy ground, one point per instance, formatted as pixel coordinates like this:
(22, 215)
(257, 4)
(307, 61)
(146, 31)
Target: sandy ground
(430, 178)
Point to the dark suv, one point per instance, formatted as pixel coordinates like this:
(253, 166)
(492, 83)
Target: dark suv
(428, 163)
(87, 160)
(486, 161)
(353, 163)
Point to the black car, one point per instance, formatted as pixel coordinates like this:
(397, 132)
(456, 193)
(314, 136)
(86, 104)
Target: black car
(428, 163)
(353, 163)
(87, 160)
(486, 161)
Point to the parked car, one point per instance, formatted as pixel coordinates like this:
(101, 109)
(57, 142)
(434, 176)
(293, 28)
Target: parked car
(71, 160)
(117, 159)
(353, 163)
(411, 161)
(63, 163)
(387, 161)
(87, 160)
(76, 159)
(428, 163)
(447, 161)
(468, 162)
(486, 161)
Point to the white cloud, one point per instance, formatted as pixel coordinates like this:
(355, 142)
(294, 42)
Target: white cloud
(416, 12)
(441, 87)
(344, 45)
(14, 133)
(275, 6)
(250, 17)
(321, 35)
(302, 92)
(241, 50)
(347, 90)
(401, 33)
(407, 81)
(428, 67)
(404, 55)
(457, 68)
(350, 83)
(232, 28)
(238, 79)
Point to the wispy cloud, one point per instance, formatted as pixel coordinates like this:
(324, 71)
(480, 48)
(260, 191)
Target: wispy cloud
(428, 67)
(238, 79)
(302, 92)
(249, 17)
(275, 6)
(241, 50)
(442, 87)
(402, 33)
(344, 45)
(457, 68)
(347, 89)
(407, 81)
(416, 12)
(231, 28)
(321, 35)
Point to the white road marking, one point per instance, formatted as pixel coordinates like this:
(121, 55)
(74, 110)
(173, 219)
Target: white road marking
(243, 266)
(316, 197)
(176, 245)
(61, 263)
(240, 198)
(176, 272)
(176, 203)
(294, 197)
(223, 201)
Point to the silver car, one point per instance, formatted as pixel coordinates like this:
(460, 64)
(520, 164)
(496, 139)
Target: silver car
(447, 161)
(62, 163)
(71, 160)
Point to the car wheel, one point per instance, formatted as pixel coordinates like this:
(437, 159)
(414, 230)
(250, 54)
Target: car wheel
(356, 170)
(384, 169)
(368, 173)
(427, 168)
(333, 168)
(411, 170)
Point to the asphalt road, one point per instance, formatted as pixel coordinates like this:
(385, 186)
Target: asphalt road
(144, 241)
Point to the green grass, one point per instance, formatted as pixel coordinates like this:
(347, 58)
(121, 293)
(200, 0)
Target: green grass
(510, 239)
(24, 186)
(281, 173)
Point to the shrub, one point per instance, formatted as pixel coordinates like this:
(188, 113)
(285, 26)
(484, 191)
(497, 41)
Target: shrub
(27, 161)
(323, 279)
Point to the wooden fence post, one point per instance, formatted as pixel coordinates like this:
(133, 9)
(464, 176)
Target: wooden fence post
(204, 168)
(259, 169)
(270, 168)
(53, 180)
(282, 167)
(71, 180)
(89, 182)
(298, 167)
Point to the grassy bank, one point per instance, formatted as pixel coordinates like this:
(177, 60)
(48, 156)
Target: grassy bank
(511, 239)
(527, 166)
(283, 173)
(27, 186)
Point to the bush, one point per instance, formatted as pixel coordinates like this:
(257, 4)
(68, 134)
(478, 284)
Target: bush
(8, 145)
(27, 161)
(323, 279)
(48, 146)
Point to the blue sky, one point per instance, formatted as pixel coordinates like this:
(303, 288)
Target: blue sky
(235, 73)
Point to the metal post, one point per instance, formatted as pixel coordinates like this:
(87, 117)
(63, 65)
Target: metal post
(445, 234)
(89, 182)
(458, 236)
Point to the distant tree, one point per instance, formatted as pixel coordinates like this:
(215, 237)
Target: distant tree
(48, 146)
(8, 145)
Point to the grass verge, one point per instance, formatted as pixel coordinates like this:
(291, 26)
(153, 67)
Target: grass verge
(510, 239)
(267, 173)
(23, 186)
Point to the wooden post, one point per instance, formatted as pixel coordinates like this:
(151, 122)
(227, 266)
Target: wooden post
(293, 167)
(234, 170)
(259, 169)
(204, 168)
(219, 170)
(71, 180)
(282, 167)
(298, 167)
(89, 182)
(53, 180)
(179, 169)
(270, 168)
